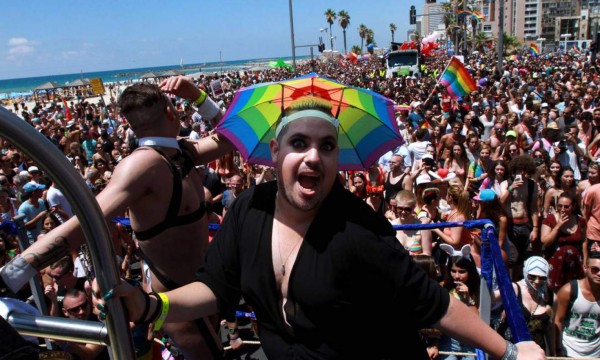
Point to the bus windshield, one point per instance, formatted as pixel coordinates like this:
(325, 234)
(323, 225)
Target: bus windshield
(402, 59)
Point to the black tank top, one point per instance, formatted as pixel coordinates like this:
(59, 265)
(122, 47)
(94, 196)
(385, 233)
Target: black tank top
(392, 189)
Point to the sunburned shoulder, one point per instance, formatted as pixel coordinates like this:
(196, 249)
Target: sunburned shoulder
(142, 163)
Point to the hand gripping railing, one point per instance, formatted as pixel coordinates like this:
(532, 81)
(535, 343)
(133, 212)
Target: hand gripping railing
(53, 162)
(491, 260)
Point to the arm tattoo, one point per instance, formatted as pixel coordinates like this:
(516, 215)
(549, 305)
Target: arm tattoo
(55, 250)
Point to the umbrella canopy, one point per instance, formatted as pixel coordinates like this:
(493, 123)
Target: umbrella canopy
(279, 64)
(367, 127)
(170, 73)
(78, 82)
(50, 85)
(149, 75)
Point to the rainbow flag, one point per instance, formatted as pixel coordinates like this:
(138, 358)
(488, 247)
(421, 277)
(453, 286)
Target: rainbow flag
(534, 50)
(463, 12)
(457, 80)
(477, 15)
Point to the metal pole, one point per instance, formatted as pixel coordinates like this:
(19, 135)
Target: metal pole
(292, 34)
(39, 149)
(465, 27)
(79, 331)
(500, 49)
(37, 291)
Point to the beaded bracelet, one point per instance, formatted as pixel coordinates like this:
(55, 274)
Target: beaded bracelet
(146, 309)
(156, 311)
(164, 311)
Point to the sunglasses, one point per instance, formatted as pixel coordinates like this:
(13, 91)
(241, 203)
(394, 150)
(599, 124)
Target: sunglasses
(403, 209)
(594, 269)
(58, 277)
(77, 309)
(533, 278)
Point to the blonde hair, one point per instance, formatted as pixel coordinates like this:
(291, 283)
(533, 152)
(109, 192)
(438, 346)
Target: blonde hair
(302, 104)
(460, 198)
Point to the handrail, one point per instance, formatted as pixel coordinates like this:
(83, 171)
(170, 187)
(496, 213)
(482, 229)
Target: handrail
(53, 162)
(79, 331)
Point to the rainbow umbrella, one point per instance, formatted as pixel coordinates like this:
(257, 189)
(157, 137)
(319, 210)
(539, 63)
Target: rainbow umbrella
(367, 128)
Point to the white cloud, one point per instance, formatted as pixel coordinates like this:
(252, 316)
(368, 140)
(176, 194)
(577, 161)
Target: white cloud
(19, 46)
(73, 53)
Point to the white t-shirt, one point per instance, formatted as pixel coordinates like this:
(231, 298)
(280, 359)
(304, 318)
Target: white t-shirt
(55, 197)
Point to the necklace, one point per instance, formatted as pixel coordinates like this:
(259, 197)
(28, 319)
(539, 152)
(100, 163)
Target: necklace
(279, 249)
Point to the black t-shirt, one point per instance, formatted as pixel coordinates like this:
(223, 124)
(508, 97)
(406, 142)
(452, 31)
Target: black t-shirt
(351, 282)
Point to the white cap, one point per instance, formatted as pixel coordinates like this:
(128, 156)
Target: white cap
(32, 169)
(536, 265)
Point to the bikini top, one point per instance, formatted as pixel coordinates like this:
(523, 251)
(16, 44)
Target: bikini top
(172, 219)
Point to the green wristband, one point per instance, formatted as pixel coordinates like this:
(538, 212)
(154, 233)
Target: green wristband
(200, 100)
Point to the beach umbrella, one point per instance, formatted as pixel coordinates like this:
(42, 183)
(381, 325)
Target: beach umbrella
(279, 64)
(367, 128)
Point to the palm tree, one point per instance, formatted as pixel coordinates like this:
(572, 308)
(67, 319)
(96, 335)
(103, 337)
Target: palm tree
(330, 17)
(371, 37)
(480, 41)
(393, 29)
(355, 49)
(362, 32)
(344, 21)
(510, 43)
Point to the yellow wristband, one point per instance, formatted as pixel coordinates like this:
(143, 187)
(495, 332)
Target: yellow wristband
(163, 313)
(200, 100)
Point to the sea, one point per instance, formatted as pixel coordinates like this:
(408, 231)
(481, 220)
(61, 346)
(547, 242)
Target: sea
(24, 86)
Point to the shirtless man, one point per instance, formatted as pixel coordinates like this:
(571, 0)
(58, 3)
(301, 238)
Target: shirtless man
(519, 198)
(173, 244)
(447, 141)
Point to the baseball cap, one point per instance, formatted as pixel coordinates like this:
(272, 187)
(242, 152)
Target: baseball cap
(32, 186)
(485, 195)
(70, 124)
(428, 160)
(552, 125)
(511, 133)
(32, 169)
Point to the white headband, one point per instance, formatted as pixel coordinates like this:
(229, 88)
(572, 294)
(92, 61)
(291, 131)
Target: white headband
(305, 114)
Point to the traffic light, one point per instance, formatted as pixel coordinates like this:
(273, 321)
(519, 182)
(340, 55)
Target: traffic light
(413, 15)
(321, 47)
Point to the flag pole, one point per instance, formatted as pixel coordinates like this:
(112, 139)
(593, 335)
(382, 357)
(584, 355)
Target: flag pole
(438, 81)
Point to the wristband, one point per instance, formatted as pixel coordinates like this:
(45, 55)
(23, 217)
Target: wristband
(208, 109)
(233, 337)
(511, 352)
(16, 273)
(200, 100)
(164, 311)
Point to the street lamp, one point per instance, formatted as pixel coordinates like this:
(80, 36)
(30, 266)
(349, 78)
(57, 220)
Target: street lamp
(566, 38)
(541, 41)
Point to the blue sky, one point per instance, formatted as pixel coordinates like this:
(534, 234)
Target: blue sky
(40, 38)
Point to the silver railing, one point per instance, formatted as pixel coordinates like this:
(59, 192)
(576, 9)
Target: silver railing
(39, 149)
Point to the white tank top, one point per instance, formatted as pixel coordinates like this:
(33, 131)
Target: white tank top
(581, 335)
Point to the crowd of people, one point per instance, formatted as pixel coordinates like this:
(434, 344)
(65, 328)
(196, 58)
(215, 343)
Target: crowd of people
(523, 150)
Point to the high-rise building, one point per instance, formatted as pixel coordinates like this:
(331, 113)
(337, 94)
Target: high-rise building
(552, 10)
(432, 17)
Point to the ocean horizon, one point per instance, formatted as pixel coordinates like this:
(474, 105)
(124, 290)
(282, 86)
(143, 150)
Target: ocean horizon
(24, 85)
